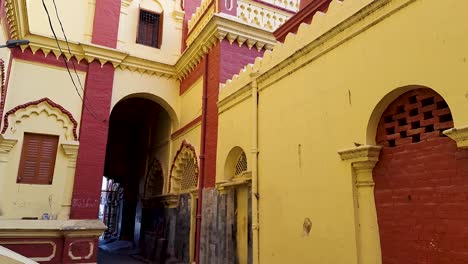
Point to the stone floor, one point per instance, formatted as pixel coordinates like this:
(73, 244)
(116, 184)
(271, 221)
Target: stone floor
(105, 257)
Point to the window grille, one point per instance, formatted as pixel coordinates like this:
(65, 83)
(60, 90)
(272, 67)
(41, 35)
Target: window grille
(189, 175)
(241, 165)
(149, 29)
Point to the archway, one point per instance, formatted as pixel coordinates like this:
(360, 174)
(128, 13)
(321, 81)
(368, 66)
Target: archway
(421, 181)
(136, 165)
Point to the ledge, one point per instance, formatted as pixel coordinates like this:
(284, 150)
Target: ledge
(361, 153)
(460, 135)
(55, 228)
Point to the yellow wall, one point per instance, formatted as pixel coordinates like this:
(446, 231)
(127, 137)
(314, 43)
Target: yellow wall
(328, 104)
(76, 16)
(171, 36)
(163, 91)
(191, 103)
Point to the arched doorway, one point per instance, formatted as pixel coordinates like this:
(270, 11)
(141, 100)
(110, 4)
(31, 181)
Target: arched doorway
(421, 182)
(136, 164)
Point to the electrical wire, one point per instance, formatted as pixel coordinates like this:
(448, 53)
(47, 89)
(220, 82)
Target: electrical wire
(66, 63)
(68, 45)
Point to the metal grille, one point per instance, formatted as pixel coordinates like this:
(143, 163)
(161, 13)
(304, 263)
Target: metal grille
(241, 165)
(189, 175)
(148, 30)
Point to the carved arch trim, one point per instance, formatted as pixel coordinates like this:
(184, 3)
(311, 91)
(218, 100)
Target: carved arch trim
(185, 154)
(20, 112)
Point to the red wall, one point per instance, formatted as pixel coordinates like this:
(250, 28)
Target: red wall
(421, 188)
(94, 121)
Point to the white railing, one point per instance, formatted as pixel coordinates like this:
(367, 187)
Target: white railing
(292, 5)
(258, 15)
(198, 14)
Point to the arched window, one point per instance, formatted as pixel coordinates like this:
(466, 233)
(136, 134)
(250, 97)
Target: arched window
(241, 164)
(184, 171)
(236, 164)
(154, 180)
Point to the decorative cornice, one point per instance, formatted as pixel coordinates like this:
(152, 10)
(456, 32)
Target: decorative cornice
(199, 12)
(342, 22)
(52, 104)
(361, 153)
(126, 3)
(219, 27)
(363, 160)
(55, 228)
(459, 134)
(91, 52)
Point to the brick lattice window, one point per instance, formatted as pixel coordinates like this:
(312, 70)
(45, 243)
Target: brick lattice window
(189, 175)
(414, 117)
(38, 159)
(241, 165)
(150, 29)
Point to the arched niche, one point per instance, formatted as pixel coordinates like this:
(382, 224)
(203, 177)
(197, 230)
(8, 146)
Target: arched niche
(236, 163)
(382, 105)
(19, 114)
(184, 170)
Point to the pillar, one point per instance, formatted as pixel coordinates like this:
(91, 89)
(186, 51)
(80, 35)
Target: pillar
(362, 160)
(70, 149)
(6, 145)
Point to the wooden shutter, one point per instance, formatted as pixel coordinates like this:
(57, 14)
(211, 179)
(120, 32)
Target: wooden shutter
(38, 159)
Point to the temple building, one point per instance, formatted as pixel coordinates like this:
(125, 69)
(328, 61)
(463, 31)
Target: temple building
(234, 131)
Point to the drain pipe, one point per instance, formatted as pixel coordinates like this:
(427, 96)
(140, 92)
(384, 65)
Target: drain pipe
(254, 152)
(202, 162)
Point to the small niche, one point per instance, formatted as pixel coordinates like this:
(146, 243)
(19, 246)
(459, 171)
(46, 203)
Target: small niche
(403, 134)
(402, 122)
(442, 105)
(427, 101)
(391, 143)
(390, 131)
(415, 125)
(429, 128)
(428, 115)
(413, 112)
(388, 119)
(400, 109)
(445, 118)
(412, 99)
(416, 138)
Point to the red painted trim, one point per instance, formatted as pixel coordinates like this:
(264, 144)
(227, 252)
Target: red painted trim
(184, 144)
(49, 59)
(51, 103)
(2, 89)
(183, 129)
(192, 77)
(204, 13)
(94, 127)
(202, 163)
(274, 6)
(305, 15)
(106, 23)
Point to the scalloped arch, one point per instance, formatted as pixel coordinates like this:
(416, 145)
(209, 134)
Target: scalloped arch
(185, 153)
(24, 111)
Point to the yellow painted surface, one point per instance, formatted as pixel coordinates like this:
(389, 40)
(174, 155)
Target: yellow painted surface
(331, 102)
(242, 223)
(161, 90)
(27, 200)
(169, 51)
(191, 103)
(76, 18)
(22, 90)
